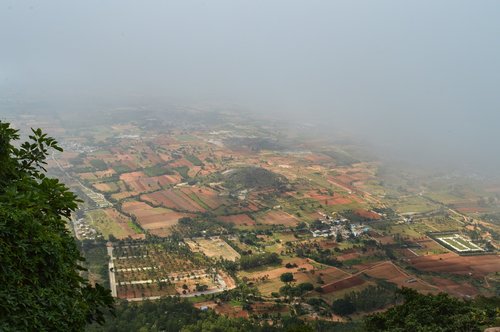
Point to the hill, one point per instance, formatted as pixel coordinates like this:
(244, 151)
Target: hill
(253, 178)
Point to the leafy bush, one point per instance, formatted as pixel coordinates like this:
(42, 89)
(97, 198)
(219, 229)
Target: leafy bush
(41, 287)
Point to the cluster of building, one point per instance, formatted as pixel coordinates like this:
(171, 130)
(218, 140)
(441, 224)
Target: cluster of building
(99, 199)
(338, 226)
(77, 147)
(84, 231)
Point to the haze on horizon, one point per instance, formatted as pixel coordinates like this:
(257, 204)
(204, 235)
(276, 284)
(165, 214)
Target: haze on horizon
(416, 78)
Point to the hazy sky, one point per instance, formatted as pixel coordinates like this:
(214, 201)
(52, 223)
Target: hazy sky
(416, 76)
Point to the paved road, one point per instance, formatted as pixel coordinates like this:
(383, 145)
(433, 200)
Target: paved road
(111, 269)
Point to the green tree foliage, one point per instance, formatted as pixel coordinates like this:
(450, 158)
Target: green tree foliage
(434, 313)
(306, 286)
(373, 297)
(286, 277)
(251, 261)
(254, 177)
(323, 256)
(157, 170)
(296, 291)
(174, 314)
(166, 314)
(98, 164)
(41, 288)
(193, 160)
(343, 307)
(215, 323)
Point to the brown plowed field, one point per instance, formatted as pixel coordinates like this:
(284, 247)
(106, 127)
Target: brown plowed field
(455, 288)
(348, 256)
(343, 284)
(124, 194)
(388, 271)
(328, 199)
(132, 176)
(238, 219)
(278, 218)
(329, 275)
(138, 181)
(468, 207)
(208, 196)
(174, 199)
(152, 218)
(251, 207)
(478, 266)
(181, 162)
(228, 310)
(105, 187)
(367, 214)
(167, 179)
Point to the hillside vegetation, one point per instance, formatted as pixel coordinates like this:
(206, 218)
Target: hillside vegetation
(253, 178)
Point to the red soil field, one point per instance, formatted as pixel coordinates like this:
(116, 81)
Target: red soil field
(125, 194)
(251, 207)
(336, 182)
(327, 199)
(327, 244)
(345, 179)
(388, 271)
(339, 201)
(468, 207)
(206, 195)
(231, 311)
(238, 219)
(127, 177)
(278, 218)
(266, 307)
(174, 199)
(477, 266)
(152, 218)
(386, 239)
(331, 274)
(316, 158)
(455, 288)
(181, 162)
(348, 256)
(356, 198)
(342, 284)
(102, 187)
(167, 179)
(367, 214)
(140, 182)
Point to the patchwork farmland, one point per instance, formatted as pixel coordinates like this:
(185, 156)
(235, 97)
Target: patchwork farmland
(250, 202)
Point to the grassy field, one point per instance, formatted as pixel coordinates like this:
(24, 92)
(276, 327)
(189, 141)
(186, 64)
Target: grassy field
(195, 198)
(414, 204)
(442, 224)
(186, 138)
(104, 224)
